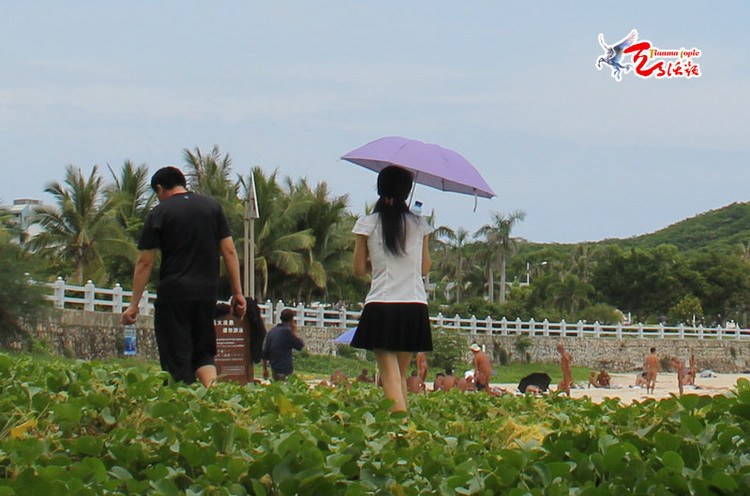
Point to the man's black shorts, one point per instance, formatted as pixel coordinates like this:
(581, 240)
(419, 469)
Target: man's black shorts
(185, 336)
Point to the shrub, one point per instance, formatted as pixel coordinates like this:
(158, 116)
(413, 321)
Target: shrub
(20, 301)
(449, 349)
(602, 313)
(502, 355)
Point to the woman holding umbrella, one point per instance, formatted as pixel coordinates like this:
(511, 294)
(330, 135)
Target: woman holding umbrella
(392, 245)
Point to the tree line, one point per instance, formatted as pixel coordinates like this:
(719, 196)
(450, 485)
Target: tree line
(303, 250)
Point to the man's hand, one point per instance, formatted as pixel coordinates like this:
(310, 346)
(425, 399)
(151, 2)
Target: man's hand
(265, 370)
(239, 306)
(130, 314)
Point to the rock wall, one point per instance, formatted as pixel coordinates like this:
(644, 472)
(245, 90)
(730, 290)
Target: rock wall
(621, 355)
(98, 335)
(86, 335)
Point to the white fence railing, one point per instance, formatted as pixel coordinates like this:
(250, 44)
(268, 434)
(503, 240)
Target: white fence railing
(88, 297)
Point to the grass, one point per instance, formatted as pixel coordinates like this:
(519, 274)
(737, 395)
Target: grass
(316, 367)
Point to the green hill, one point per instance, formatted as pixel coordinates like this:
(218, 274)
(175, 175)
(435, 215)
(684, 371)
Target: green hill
(722, 228)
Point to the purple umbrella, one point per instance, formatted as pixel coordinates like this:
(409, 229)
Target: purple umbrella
(346, 337)
(432, 165)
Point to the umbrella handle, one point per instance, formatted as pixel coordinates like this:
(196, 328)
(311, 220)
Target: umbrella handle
(475, 199)
(413, 188)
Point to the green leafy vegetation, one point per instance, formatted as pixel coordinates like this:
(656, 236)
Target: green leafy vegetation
(106, 428)
(20, 301)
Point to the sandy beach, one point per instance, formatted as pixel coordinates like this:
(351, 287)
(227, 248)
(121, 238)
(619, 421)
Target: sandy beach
(666, 385)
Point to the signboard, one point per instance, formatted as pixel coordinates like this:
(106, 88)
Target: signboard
(233, 359)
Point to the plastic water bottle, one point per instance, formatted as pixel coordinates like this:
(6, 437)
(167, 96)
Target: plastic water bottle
(416, 209)
(131, 338)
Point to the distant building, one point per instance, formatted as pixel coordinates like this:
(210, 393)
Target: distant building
(22, 219)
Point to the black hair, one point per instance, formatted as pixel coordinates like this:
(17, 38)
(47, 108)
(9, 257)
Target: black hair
(653, 350)
(287, 315)
(394, 186)
(168, 178)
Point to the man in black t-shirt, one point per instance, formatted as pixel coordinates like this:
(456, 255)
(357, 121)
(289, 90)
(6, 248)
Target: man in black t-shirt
(280, 341)
(191, 231)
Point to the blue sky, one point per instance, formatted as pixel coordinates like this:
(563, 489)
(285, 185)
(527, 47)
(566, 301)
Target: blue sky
(293, 86)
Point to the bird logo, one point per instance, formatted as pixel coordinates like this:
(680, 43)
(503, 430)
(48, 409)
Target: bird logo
(613, 54)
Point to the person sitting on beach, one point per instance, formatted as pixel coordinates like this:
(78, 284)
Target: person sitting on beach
(533, 389)
(450, 380)
(603, 379)
(414, 383)
(592, 379)
(339, 379)
(641, 380)
(439, 382)
(466, 383)
(364, 377)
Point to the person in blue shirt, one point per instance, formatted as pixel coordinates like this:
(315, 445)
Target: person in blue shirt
(277, 350)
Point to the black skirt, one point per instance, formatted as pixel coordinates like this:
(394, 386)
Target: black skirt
(394, 327)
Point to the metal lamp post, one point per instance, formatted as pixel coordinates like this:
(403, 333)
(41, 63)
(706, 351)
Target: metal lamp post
(528, 270)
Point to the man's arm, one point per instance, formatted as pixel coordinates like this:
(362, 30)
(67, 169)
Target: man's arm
(296, 341)
(141, 274)
(232, 264)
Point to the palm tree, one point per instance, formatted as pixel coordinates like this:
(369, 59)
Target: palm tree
(500, 245)
(456, 243)
(281, 249)
(582, 261)
(130, 196)
(210, 175)
(570, 294)
(332, 253)
(81, 229)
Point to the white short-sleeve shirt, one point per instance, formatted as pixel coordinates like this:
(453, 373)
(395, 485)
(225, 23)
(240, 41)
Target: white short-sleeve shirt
(395, 278)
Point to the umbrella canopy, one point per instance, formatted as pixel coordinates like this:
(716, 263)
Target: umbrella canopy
(538, 379)
(346, 337)
(432, 165)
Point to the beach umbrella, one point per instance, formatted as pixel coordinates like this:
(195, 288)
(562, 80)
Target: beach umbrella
(346, 337)
(538, 379)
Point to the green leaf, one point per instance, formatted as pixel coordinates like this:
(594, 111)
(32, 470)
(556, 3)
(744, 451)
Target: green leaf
(165, 487)
(666, 441)
(67, 411)
(120, 473)
(514, 458)
(89, 445)
(258, 488)
(741, 410)
(6, 364)
(215, 474)
(724, 482)
(673, 461)
(613, 458)
(560, 469)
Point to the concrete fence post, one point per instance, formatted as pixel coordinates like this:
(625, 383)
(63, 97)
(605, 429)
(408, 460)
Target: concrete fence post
(321, 317)
(59, 293)
(117, 298)
(88, 296)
